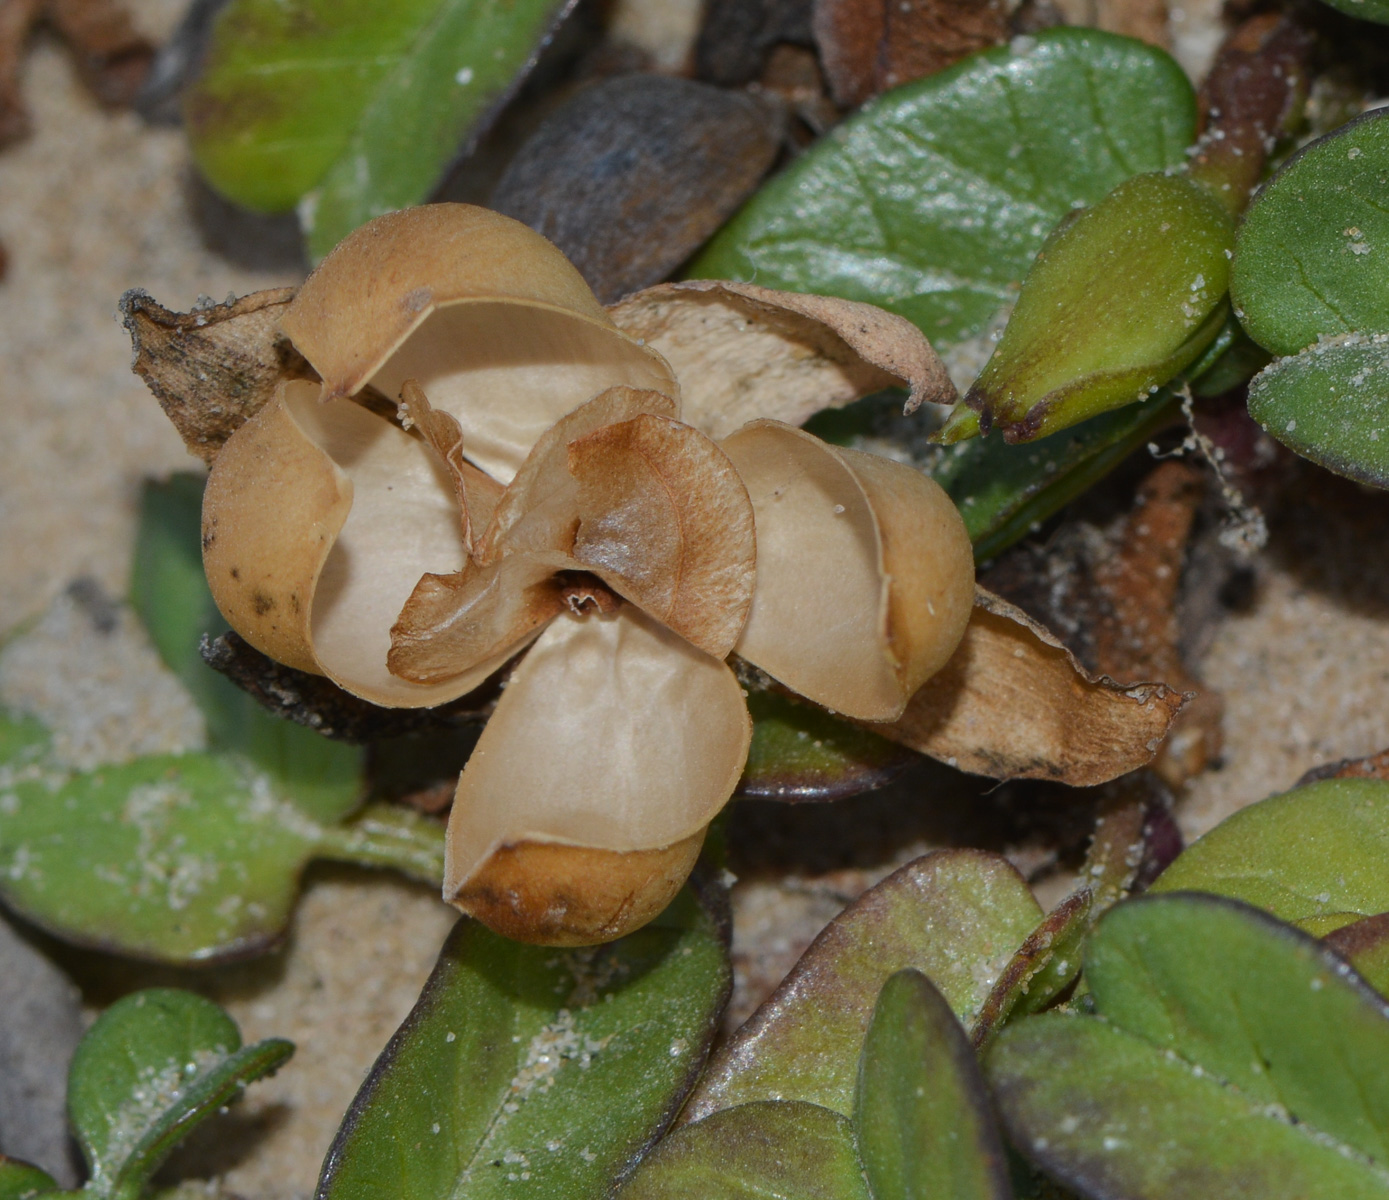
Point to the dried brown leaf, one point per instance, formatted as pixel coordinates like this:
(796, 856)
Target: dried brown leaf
(213, 368)
(16, 19)
(666, 521)
(1375, 766)
(1013, 703)
(112, 57)
(869, 46)
(633, 174)
(742, 352)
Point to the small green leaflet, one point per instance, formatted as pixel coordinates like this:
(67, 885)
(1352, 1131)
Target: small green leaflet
(20, 1180)
(179, 858)
(154, 1066)
(933, 200)
(1311, 282)
(352, 108)
(956, 915)
(526, 1071)
(1234, 1050)
(770, 1150)
(922, 1118)
(1314, 855)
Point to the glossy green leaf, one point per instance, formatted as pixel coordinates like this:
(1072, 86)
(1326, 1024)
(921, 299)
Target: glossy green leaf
(1234, 1050)
(154, 1066)
(921, 1113)
(786, 1150)
(1315, 855)
(1312, 256)
(19, 1180)
(956, 915)
(1004, 491)
(525, 1071)
(1119, 300)
(1331, 404)
(1365, 945)
(933, 200)
(801, 752)
(169, 592)
(352, 107)
(1364, 10)
(178, 858)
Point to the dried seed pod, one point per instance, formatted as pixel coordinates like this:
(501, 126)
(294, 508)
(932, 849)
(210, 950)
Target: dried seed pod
(865, 574)
(486, 315)
(582, 808)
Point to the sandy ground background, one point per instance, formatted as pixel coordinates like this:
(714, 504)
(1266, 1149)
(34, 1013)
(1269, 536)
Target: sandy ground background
(95, 203)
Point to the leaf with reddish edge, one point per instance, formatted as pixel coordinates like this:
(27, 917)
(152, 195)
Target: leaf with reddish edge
(1365, 945)
(955, 915)
(530, 1072)
(922, 1117)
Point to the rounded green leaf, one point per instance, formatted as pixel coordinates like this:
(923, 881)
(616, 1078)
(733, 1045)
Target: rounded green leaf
(933, 200)
(1315, 854)
(1119, 300)
(956, 915)
(365, 102)
(1312, 255)
(524, 1071)
(772, 1150)
(1330, 403)
(1237, 1057)
(156, 1064)
(921, 1114)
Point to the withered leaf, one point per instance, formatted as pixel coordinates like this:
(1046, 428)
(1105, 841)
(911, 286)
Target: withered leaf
(737, 34)
(741, 351)
(869, 46)
(213, 368)
(633, 175)
(112, 57)
(1013, 703)
(1375, 766)
(16, 19)
(319, 703)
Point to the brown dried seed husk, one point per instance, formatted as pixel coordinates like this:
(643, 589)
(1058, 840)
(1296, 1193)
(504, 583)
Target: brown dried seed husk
(614, 735)
(632, 175)
(666, 522)
(214, 368)
(868, 46)
(557, 895)
(743, 351)
(487, 316)
(1375, 766)
(865, 573)
(1013, 703)
(318, 519)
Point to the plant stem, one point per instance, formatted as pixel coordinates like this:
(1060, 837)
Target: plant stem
(386, 835)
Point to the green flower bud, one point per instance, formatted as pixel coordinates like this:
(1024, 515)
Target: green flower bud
(1122, 297)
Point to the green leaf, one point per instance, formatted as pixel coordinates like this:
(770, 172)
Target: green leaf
(525, 1071)
(772, 1150)
(933, 200)
(1119, 300)
(802, 752)
(169, 592)
(1312, 256)
(356, 105)
(181, 858)
(956, 915)
(921, 1114)
(1365, 945)
(1234, 1051)
(154, 1066)
(1365, 10)
(1314, 855)
(20, 1180)
(1005, 491)
(1331, 404)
